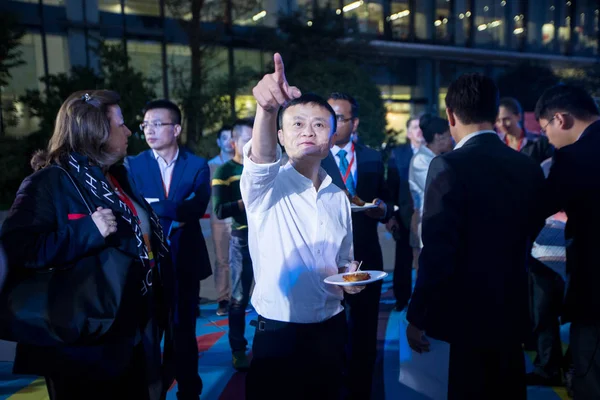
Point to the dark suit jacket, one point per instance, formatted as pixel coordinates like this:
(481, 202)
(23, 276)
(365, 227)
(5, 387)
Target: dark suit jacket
(478, 225)
(538, 147)
(370, 176)
(574, 186)
(188, 198)
(397, 179)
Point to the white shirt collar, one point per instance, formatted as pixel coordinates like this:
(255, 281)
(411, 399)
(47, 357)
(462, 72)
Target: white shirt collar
(470, 136)
(157, 156)
(336, 149)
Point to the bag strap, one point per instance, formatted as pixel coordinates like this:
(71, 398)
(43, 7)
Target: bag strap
(78, 191)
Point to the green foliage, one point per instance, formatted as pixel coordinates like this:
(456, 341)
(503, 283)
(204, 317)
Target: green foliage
(10, 36)
(526, 83)
(587, 77)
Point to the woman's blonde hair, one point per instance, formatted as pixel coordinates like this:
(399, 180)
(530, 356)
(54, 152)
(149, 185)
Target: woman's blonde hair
(82, 126)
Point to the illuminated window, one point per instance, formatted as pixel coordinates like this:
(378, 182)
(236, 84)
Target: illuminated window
(549, 26)
(142, 7)
(111, 6)
(363, 16)
(399, 19)
(586, 27)
(146, 57)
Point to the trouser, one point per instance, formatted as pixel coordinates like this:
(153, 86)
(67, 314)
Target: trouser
(297, 361)
(585, 349)
(362, 312)
(221, 234)
(241, 283)
(185, 345)
(486, 373)
(546, 294)
(132, 384)
(402, 283)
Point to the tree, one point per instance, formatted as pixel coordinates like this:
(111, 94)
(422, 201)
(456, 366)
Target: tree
(318, 59)
(10, 57)
(587, 77)
(526, 83)
(116, 74)
(203, 104)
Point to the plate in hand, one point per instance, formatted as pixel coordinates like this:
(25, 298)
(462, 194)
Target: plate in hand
(339, 280)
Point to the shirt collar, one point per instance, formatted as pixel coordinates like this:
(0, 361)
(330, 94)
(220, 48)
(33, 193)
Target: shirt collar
(304, 181)
(156, 156)
(426, 150)
(470, 136)
(336, 149)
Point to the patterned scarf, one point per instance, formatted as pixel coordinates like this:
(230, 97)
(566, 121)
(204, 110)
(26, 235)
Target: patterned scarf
(93, 181)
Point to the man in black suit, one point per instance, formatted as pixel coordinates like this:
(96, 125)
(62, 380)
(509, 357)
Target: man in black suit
(360, 171)
(478, 225)
(571, 119)
(400, 224)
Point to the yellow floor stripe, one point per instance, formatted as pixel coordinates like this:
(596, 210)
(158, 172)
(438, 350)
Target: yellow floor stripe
(34, 391)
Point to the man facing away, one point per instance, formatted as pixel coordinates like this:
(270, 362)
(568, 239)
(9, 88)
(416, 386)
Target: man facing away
(478, 226)
(570, 118)
(300, 232)
(221, 228)
(228, 203)
(176, 184)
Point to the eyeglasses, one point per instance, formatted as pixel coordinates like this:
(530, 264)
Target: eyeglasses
(341, 119)
(543, 130)
(155, 124)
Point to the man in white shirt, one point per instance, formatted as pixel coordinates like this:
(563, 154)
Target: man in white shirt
(300, 232)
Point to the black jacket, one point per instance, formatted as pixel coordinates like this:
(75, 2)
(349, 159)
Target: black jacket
(479, 222)
(573, 185)
(48, 226)
(370, 185)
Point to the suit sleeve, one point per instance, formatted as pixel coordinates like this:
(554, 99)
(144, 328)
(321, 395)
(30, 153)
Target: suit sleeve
(442, 219)
(393, 178)
(33, 237)
(556, 186)
(194, 206)
(384, 192)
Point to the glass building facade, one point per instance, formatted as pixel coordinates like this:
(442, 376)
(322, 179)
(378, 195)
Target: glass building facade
(429, 42)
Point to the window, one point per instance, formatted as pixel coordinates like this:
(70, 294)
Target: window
(586, 28)
(212, 11)
(142, 7)
(399, 19)
(363, 16)
(146, 57)
(490, 23)
(433, 23)
(58, 48)
(111, 6)
(549, 26)
(252, 13)
(26, 76)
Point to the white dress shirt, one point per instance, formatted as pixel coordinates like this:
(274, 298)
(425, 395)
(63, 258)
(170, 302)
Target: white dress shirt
(166, 170)
(417, 175)
(350, 155)
(472, 135)
(297, 236)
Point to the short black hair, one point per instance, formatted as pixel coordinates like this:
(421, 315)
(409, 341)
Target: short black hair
(168, 105)
(570, 99)
(248, 122)
(473, 98)
(512, 105)
(349, 99)
(432, 125)
(223, 128)
(308, 98)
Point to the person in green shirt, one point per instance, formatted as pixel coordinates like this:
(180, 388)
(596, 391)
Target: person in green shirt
(227, 203)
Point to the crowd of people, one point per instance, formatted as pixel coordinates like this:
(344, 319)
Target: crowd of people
(500, 224)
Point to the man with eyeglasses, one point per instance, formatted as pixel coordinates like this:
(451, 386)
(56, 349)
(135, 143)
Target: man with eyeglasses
(176, 183)
(360, 171)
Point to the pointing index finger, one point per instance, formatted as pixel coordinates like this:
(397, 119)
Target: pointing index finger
(279, 68)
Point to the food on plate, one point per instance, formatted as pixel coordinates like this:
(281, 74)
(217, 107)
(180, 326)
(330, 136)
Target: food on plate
(356, 277)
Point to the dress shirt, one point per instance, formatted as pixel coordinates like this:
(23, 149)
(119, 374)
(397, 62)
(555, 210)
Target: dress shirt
(166, 170)
(349, 156)
(471, 135)
(297, 236)
(417, 175)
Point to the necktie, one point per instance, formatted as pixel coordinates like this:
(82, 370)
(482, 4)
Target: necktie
(344, 170)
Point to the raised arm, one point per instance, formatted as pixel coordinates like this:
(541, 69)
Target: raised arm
(270, 93)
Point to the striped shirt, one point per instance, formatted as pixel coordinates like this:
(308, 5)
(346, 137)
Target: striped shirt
(226, 193)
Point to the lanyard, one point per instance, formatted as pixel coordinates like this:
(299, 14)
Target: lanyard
(345, 178)
(520, 142)
(124, 198)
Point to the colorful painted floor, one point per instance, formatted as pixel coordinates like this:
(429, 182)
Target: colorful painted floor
(222, 382)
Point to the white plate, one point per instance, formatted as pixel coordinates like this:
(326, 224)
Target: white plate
(367, 206)
(338, 280)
